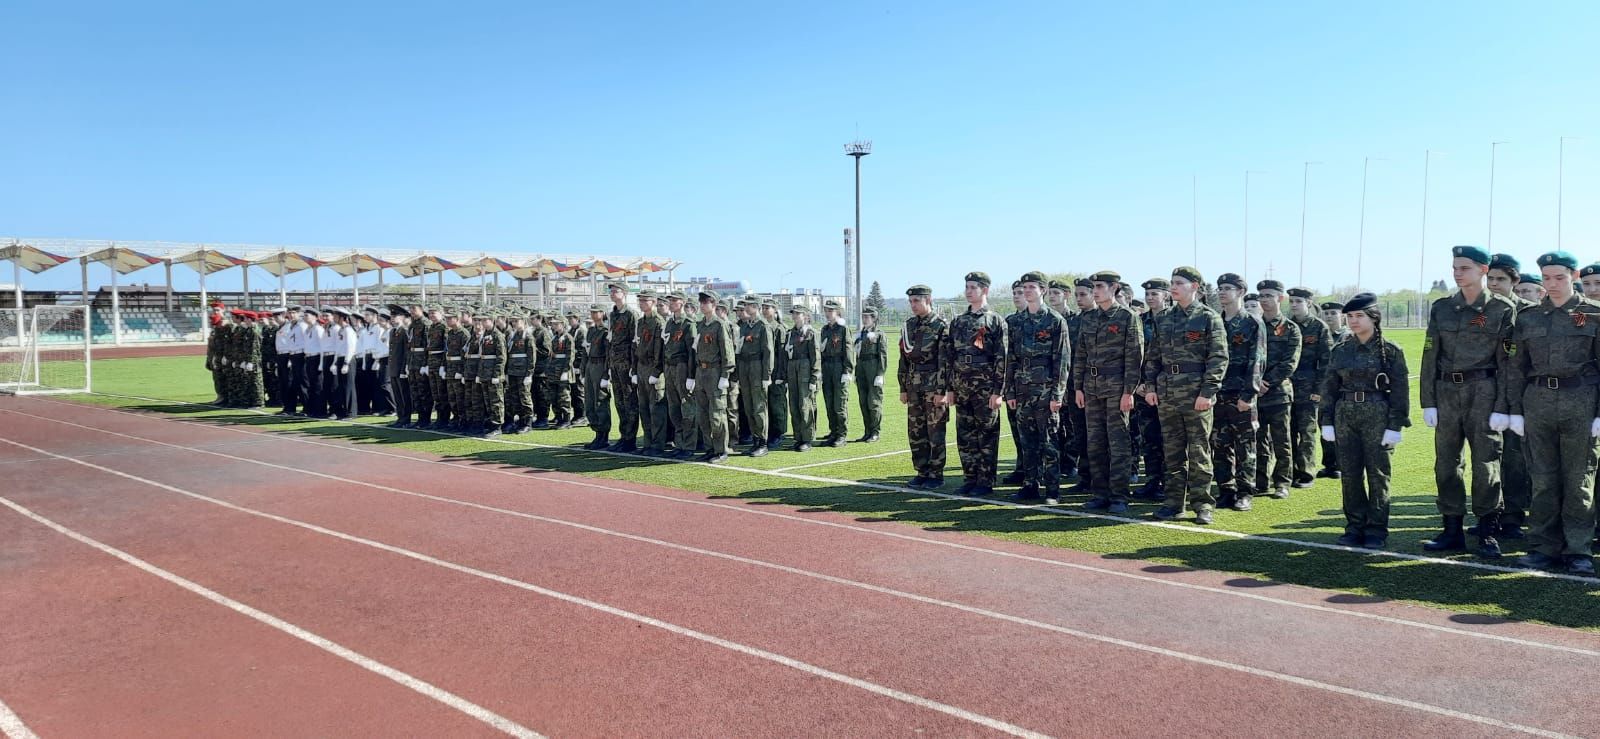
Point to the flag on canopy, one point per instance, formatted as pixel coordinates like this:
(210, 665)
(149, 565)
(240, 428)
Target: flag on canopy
(486, 265)
(31, 258)
(122, 259)
(422, 265)
(286, 263)
(602, 268)
(355, 263)
(214, 261)
(546, 267)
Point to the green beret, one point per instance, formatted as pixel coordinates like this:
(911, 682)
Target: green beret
(831, 305)
(982, 278)
(1475, 253)
(916, 290)
(1107, 276)
(1532, 278)
(1269, 285)
(1229, 278)
(1060, 285)
(1593, 269)
(1558, 259)
(1188, 273)
(1301, 292)
(1157, 283)
(1505, 262)
(1360, 301)
(1034, 276)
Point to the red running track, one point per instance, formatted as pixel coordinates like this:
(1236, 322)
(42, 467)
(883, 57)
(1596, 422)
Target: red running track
(573, 606)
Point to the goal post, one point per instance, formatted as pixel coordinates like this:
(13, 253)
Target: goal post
(45, 350)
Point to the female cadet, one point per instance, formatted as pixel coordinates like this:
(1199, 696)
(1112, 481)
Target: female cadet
(1367, 396)
(872, 360)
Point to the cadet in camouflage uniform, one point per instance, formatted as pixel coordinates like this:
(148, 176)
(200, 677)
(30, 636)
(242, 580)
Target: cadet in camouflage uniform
(1146, 418)
(777, 392)
(713, 357)
(558, 372)
(1316, 343)
(976, 346)
(1038, 358)
(1516, 488)
(623, 332)
(417, 367)
(1554, 397)
(1018, 474)
(539, 390)
(753, 369)
(678, 355)
(438, 382)
(838, 371)
(472, 387)
(1368, 396)
(1110, 352)
(580, 359)
(518, 395)
(1235, 432)
(1183, 370)
(1464, 365)
(649, 375)
(492, 358)
(1071, 432)
(872, 361)
(456, 338)
(1274, 444)
(924, 373)
(1333, 316)
(214, 342)
(596, 385)
(730, 316)
(803, 359)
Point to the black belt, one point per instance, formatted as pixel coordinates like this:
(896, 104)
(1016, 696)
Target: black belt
(977, 360)
(1178, 368)
(1468, 376)
(707, 365)
(1039, 362)
(1365, 396)
(925, 367)
(1095, 372)
(1561, 383)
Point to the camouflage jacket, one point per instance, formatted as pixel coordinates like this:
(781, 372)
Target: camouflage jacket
(472, 355)
(620, 338)
(976, 345)
(1467, 338)
(597, 345)
(1188, 353)
(563, 356)
(1038, 356)
(1316, 343)
(1247, 352)
(436, 344)
(1554, 346)
(1358, 372)
(924, 356)
(803, 356)
(520, 353)
(1109, 351)
(492, 354)
(1283, 358)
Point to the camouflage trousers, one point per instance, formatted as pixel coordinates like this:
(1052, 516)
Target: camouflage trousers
(473, 392)
(441, 394)
(652, 405)
(1036, 422)
(1330, 450)
(681, 408)
(539, 394)
(1464, 410)
(421, 394)
(1561, 463)
(1516, 487)
(1274, 449)
(1364, 465)
(1075, 440)
(977, 432)
(1303, 435)
(627, 403)
(777, 409)
(1146, 423)
(926, 420)
(517, 400)
(1186, 444)
(1110, 452)
(597, 399)
(1234, 446)
(753, 392)
(456, 390)
(711, 409)
(491, 406)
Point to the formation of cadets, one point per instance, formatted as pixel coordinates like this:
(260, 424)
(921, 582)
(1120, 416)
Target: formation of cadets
(1220, 397)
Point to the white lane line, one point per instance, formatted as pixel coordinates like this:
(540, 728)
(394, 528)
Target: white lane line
(1232, 593)
(847, 460)
(916, 492)
(452, 700)
(11, 724)
(790, 662)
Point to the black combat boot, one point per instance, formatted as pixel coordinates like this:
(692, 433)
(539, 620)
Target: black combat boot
(1452, 539)
(1488, 548)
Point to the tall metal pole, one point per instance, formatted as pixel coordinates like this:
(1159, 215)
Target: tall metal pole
(1194, 216)
(1490, 240)
(1361, 235)
(1422, 259)
(858, 149)
(283, 271)
(1305, 187)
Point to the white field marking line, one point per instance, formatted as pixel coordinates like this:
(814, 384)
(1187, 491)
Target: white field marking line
(98, 455)
(11, 724)
(823, 672)
(859, 459)
(914, 492)
(429, 690)
(790, 662)
(1069, 565)
(879, 531)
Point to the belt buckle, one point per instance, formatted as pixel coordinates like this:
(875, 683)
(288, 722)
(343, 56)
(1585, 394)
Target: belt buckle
(1094, 371)
(1554, 383)
(1174, 369)
(1458, 377)
(1359, 396)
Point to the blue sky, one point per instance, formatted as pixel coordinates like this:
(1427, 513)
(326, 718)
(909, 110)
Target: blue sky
(1009, 137)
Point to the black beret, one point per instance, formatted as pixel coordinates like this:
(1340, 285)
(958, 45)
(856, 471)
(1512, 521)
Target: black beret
(1360, 301)
(1248, 297)
(1084, 282)
(1269, 285)
(1332, 305)
(1229, 278)
(1301, 292)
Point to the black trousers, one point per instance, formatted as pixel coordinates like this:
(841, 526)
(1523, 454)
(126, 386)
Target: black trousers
(316, 403)
(366, 385)
(289, 381)
(400, 394)
(382, 387)
(340, 388)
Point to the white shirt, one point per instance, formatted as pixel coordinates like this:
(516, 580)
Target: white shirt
(380, 341)
(283, 338)
(345, 345)
(315, 335)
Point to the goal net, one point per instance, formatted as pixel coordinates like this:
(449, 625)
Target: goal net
(44, 349)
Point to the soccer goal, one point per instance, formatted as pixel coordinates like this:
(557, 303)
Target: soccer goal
(44, 349)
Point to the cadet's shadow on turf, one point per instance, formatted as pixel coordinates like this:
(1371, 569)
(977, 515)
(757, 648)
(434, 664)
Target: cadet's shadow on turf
(1380, 579)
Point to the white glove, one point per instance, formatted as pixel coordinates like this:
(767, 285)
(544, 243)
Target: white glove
(872, 335)
(224, 362)
(722, 383)
(476, 380)
(633, 379)
(1391, 438)
(527, 381)
(605, 384)
(459, 377)
(424, 371)
(1327, 433)
(1499, 421)
(777, 382)
(839, 320)
(654, 380)
(1430, 416)
(345, 370)
(566, 377)
(1594, 427)
(766, 384)
(877, 381)
(689, 384)
(848, 377)
(250, 366)
(495, 381)
(1517, 425)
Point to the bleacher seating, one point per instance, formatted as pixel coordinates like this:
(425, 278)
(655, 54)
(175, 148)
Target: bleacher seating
(147, 325)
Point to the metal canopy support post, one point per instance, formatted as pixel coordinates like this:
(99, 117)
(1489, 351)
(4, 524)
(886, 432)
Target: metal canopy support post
(168, 264)
(116, 309)
(246, 300)
(283, 271)
(316, 288)
(205, 319)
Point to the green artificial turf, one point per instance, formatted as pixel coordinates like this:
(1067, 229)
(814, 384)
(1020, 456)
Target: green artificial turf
(1311, 515)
